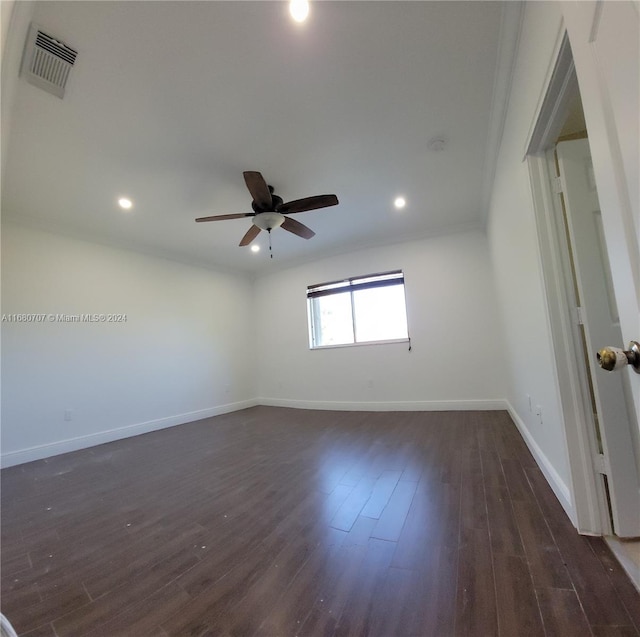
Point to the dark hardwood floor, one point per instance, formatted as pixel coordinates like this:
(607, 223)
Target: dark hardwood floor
(278, 522)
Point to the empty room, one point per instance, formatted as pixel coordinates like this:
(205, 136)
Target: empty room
(320, 319)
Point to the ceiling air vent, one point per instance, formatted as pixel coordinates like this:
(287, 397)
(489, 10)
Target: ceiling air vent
(47, 61)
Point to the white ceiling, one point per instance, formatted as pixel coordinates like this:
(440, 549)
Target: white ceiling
(169, 102)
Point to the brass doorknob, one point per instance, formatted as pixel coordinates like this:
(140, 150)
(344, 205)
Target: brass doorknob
(614, 358)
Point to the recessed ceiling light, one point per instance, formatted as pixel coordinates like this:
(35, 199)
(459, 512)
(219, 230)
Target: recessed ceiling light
(400, 202)
(299, 10)
(125, 203)
(255, 248)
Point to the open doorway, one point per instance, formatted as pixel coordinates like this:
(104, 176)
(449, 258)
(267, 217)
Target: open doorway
(599, 418)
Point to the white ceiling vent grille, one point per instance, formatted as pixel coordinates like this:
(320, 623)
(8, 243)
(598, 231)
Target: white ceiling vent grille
(47, 61)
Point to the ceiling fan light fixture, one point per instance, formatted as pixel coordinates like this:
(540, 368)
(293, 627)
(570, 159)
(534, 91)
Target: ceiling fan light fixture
(268, 220)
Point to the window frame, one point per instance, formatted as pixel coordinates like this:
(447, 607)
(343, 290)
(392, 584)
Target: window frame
(351, 285)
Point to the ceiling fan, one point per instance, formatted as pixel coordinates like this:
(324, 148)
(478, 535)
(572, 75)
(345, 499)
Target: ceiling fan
(269, 210)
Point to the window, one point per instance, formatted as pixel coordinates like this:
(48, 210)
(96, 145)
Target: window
(365, 309)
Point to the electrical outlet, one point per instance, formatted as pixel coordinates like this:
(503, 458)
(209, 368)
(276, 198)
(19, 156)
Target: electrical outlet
(539, 413)
(370, 384)
(68, 414)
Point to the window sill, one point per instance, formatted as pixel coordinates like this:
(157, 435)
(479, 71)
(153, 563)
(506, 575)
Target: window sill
(340, 346)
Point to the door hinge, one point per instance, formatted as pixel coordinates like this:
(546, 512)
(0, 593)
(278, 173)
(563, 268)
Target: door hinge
(601, 464)
(556, 184)
(579, 316)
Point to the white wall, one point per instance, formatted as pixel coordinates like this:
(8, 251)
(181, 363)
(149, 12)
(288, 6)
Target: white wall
(14, 17)
(183, 353)
(196, 341)
(455, 362)
(516, 260)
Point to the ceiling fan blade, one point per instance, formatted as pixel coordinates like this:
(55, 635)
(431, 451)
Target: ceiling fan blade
(297, 228)
(250, 235)
(238, 215)
(308, 203)
(258, 188)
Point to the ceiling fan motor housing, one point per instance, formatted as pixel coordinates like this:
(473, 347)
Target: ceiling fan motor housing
(276, 202)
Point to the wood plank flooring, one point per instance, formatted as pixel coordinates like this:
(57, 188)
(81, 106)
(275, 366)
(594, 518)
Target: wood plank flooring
(280, 523)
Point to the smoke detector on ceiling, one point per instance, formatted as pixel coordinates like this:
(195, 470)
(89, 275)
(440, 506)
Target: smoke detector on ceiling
(437, 143)
(47, 61)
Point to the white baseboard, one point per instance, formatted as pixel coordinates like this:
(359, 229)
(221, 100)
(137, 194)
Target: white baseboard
(30, 454)
(415, 405)
(556, 483)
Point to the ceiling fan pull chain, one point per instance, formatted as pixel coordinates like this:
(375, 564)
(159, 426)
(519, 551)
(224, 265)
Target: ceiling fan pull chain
(270, 249)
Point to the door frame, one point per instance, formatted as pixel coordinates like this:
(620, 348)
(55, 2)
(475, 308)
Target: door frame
(589, 498)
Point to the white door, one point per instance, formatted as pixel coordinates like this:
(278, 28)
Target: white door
(611, 400)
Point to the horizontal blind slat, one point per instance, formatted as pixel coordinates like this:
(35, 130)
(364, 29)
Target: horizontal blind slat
(356, 283)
